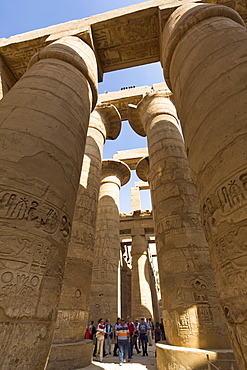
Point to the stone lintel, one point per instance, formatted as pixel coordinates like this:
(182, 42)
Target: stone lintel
(142, 185)
(111, 119)
(142, 169)
(129, 95)
(121, 38)
(7, 80)
(131, 157)
(112, 169)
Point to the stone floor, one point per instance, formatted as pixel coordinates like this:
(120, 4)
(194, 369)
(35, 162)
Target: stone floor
(138, 362)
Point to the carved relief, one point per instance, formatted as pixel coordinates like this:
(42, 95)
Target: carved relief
(174, 224)
(16, 206)
(231, 255)
(134, 30)
(226, 199)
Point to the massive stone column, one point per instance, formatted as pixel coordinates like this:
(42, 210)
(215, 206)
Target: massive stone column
(141, 298)
(69, 348)
(44, 122)
(191, 311)
(105, 287)
(205, 66)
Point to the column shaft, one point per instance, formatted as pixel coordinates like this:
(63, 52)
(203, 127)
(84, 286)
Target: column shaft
(105, 292)
(191, 310)
(210, 94)
(75, 295)
(141, 300)
(42, 139)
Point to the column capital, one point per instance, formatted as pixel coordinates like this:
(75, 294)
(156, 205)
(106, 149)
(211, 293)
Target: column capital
(152, 105)
(184, 18)
(142, 168)
(106, 118)
(138, 231)
(72, 50)
(115, 171)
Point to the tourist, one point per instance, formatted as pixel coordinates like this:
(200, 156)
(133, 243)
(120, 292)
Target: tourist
(108, 337)
(118, 322)
(136, 336)
(150, 329)
(163, 336)
(88, 333)
(138, 339)
(157, 333)
(92, 330)
(143, 328)
(100, 335)
(131, 327)
(122, 333)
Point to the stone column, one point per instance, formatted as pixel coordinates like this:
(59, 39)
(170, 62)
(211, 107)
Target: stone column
(69, 347)
(205, 66)
(154, 293)
(42, 146)
(191, 311)
(141, 299)
(135, 199)
(105, 287)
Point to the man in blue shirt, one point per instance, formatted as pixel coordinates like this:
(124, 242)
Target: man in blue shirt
(122, 333)
(143, 328)
(108, 336)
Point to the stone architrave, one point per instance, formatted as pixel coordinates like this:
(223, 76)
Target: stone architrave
(42, 146)
(7, 80)
(141, 295)
(190, 306)
(104, 123)
(105, 287)
(205, 65)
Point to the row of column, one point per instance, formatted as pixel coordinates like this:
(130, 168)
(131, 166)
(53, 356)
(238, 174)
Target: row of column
(43, 140)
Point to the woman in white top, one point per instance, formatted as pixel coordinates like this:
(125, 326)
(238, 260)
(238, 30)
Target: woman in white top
(100, 335)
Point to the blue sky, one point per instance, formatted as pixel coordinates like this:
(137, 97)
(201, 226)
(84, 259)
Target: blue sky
(18, 16)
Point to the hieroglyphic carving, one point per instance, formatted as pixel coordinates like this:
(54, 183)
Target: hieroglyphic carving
(230, 253)
(85, 206)
(177, 225)
(42, 215)
(226, 199)
(134, 30)
(23, 263)
(69, 318)
(127, 42)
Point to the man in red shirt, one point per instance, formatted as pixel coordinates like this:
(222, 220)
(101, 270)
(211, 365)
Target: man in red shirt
(131, 327)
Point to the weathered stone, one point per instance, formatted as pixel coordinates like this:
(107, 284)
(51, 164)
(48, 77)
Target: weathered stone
(7, 80)
(42, 146)
(141, 300)
(73, 307)
(205, 64)
(105, 292)
(191, 310)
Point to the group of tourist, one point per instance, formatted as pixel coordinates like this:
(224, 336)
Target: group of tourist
(126, 336)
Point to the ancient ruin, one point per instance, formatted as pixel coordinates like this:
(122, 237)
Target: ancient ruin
(66, 255)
